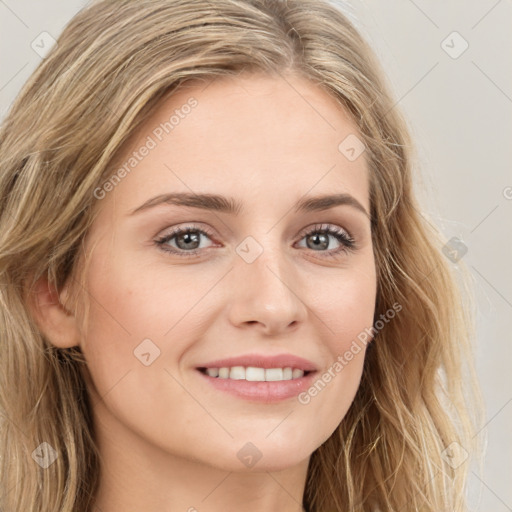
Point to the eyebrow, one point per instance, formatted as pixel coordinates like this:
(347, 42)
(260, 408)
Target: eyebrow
(231, 206)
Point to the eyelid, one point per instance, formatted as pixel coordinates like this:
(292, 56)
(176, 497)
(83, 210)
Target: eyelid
(324, 226)
(199, 226)
(187, 226)
(347, 242)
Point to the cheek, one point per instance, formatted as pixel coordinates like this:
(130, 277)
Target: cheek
(346, 304)
(138, 315)
(121, 315)
(346, 310)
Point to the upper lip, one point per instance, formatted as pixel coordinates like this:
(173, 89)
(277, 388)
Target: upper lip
(263, 361)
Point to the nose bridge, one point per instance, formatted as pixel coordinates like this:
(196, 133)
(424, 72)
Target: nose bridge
(263, 259)
(266, 285)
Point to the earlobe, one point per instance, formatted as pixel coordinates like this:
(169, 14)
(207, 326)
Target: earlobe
(56, 323)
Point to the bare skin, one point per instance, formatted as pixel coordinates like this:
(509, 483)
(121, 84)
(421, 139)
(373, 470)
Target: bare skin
(169, 440)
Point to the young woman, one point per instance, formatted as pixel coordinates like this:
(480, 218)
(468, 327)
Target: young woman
(218, 289)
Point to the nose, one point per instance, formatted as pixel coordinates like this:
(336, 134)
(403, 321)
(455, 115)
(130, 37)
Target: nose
(266, 295)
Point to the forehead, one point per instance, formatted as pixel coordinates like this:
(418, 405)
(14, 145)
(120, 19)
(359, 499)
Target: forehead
(257, 137)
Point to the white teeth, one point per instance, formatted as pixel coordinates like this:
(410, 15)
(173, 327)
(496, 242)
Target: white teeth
(252, 373)
(297, 373)
(255, 374)
(273, 374)
(237, 373)
(224, 373)
(288, 373)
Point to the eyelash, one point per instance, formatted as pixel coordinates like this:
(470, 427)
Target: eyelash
(347, 241)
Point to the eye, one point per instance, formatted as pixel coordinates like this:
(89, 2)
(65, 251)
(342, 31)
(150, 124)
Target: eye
(187, 240)
(317, 239)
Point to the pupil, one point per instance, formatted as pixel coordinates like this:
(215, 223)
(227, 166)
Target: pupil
(320, 243)
(189, 238)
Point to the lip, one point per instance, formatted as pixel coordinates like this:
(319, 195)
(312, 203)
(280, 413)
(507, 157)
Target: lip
(263, 361)
(263, 392)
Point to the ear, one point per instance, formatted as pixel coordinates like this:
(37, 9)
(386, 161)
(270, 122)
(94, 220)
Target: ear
(58, 325)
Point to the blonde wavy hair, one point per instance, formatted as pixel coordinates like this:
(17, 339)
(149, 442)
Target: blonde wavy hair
(111, 66)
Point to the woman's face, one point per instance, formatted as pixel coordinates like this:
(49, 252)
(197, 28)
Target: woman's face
(262, 281)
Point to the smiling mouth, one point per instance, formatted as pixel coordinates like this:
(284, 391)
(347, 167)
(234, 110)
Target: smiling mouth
(255, 374)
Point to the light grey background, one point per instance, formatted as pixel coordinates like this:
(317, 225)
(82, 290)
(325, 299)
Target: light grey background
(459, 111)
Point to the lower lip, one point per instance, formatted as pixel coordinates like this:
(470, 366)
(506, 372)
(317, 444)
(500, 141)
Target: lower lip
(266, 392)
